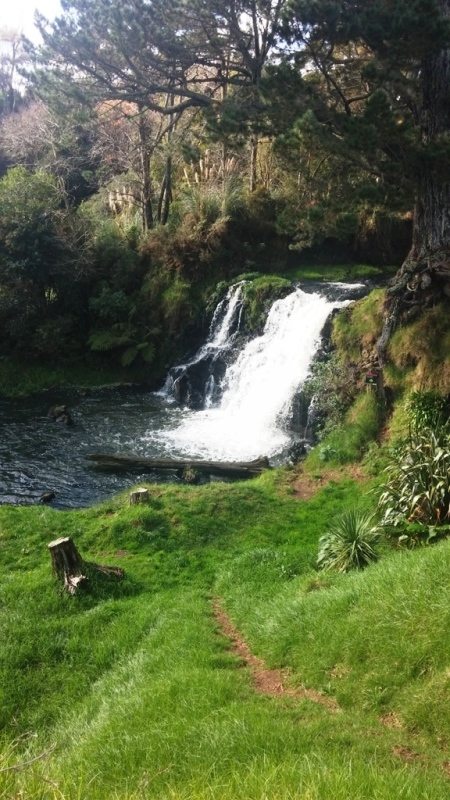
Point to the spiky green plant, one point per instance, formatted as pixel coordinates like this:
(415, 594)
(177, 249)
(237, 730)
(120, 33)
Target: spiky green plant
(349, 543)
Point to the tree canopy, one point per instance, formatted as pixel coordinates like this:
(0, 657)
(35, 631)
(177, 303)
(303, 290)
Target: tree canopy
(312, 122)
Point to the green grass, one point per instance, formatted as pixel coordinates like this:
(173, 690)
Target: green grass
(338, 272)
(349, 441)
(134, 682)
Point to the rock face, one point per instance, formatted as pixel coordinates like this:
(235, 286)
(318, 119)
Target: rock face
(197, 385)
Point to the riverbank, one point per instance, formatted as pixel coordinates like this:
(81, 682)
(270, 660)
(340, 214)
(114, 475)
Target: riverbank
(19, 379)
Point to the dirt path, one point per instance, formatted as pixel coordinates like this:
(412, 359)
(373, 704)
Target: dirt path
(265, 681)
(305, 486)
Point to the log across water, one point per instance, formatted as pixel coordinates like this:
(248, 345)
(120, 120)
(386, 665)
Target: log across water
(237, 469)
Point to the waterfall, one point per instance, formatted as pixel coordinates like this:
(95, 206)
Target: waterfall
(258, 386)
(196, 383)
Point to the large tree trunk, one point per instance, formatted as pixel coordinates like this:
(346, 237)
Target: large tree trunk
(146, 181)
(424, 277)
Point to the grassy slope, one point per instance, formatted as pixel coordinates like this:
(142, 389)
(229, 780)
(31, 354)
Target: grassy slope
(136, 687)
(134, 683)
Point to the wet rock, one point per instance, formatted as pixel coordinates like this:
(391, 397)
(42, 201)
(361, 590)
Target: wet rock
(297, 451)
(60, 414)
(190, 382)
(47, 497)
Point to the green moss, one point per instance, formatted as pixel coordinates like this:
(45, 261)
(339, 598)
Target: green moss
(337, 272)
(259, 296)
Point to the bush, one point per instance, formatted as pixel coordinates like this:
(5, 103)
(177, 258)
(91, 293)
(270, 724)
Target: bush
(429, 410)
(417, 489)
(418, 484)
(349, 543)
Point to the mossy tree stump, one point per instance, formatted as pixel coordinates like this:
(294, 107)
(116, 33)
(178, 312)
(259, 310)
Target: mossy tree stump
(69, 566)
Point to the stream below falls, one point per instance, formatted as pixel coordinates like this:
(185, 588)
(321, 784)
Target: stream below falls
(243, 409)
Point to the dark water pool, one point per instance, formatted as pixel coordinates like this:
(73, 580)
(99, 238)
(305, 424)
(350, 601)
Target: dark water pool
(38, 455)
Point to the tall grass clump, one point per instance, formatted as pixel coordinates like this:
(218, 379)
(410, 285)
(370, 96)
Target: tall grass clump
(206, 204)
(349, 542)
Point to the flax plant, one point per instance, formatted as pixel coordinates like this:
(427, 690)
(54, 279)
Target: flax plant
(417, 488)
(349, 542)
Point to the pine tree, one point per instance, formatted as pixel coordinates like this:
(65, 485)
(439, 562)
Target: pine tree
(375, 77)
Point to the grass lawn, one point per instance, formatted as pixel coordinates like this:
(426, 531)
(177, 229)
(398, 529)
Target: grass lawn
(131, 690)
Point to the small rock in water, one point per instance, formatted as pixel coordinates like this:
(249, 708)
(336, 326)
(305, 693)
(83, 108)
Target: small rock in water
(47, 497)
(60, 414)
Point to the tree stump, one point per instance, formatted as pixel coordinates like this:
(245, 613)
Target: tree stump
(67, 563)
(69, 566)
(138, 496)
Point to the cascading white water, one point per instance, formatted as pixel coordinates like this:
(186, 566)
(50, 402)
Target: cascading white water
(258, 387)
(226, 316)
(224, 324)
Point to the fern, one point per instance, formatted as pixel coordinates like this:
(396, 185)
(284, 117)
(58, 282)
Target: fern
(128, 356)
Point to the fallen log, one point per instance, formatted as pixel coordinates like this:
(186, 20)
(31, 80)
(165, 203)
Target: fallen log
(231, 469)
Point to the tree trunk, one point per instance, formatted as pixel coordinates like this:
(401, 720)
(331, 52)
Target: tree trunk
(424, 277)
(138, 497)
(168, 192)
(253, 163)
(165, 195)
(147, 209)
(238, 469)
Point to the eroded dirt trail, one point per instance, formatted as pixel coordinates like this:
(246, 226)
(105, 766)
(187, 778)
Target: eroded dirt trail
(265, 681)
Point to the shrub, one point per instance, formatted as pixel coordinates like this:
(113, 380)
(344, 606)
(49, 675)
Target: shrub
(417, 488)
(429, 410)
(349, 543)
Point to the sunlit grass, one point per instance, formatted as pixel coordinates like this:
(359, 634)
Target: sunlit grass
(136, 688)
(338, 272)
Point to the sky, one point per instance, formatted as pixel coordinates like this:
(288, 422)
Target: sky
(19, 14)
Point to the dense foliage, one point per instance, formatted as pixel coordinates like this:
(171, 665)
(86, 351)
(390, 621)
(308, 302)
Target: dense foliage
(184, 143)
(414, 499)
